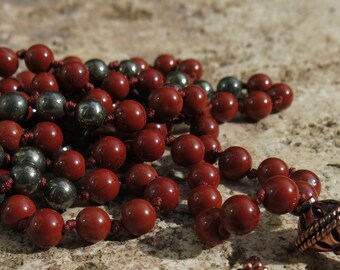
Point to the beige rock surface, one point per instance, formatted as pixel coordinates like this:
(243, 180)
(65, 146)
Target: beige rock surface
(297, 42)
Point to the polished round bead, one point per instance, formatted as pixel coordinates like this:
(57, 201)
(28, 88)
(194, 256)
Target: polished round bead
(271, 167)
(149, 145)
(161, 127)
(9, 62)
(15, 209)
(205, 125)
(90, 113)
(138, 217)
(39, 58)
(141, 63)
(307, 190)
(10, 85)
(13, 106)
(93, 224)
(129, 116)
(178, 78)
(10, 135)
(129, 68)
(203, 173)
(206, 86)
(69, 164)
(29, 155)
(45, 228)
(2, 155)
(97, 70)
(281, 195)
(26, 178)
(48, 137)
(212, 148)
(26, 78)
(60, 193)
(234, 163)
(101, 96)
(44, 81)
(138, 177)
(259, 82)
(73, 76)
(109, 152)
(195, 100)
(224, 106)
(192, 67)
(230, 85)
(165, 63)
(257, 105)
(187, 150)
(307, 176)
(240, 215)
(117, 85)
(208, 227)
(72, 58)
(148, 81)
(164, 191)
(167, 102)
(102, 184)
(50, 105)
(204, 197)
(281, 95)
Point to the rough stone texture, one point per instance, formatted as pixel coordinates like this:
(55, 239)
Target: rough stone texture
(297, 42)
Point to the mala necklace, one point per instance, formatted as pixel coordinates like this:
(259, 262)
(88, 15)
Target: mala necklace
(81, 132)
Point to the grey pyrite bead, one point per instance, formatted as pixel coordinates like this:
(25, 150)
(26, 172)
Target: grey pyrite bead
(50, 105)
(2, 155)
(60, 193)
(90, 113)
(97, 69)
(206, 86)
(13, 106)
(179, 78)
(231, 85)
(128, 68)
(26, 178)
(30, 155)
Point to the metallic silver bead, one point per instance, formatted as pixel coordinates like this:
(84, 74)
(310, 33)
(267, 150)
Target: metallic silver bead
(206, 86)
(178, 78)
(230, 84)
(2, 155)
(30, 155)
(60, 193)
(129, 68)
(13, 106)
(97, 69)
(26, 178)
(90, 113)
(50, 105)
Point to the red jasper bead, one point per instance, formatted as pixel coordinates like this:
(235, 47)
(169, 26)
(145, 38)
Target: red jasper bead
(70, 164)
(48, 137)
(73, 76)
(138, 177)
(257, 105)
(71, 58)
(192, 67)
(109, 152)
(164, 191)
(161, 127)
(281, 195)
(271, 167)
(194, 101)
(149, 145)
(203, 173)
(2, 172)
(259, 82)
(26, 78)
(167, 102)
(307, 190)
(165, 63)
(45, 228)
(14, 209)
(204, 197)
(281, 95)
(138, 216)
(9, 62)
(240, 215)
(148, 81)
(212, 148)
(129, 116)
(93, 224)
(10, 85)
(44, 81)
(234, 163)
(103, 97)
(39, 58)
(141, 63)
(307, 176)
(208, 227)
(187, 150)
(117, 85)
(102, 184)
(205, 125)
(10, 135)
(224, 106)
